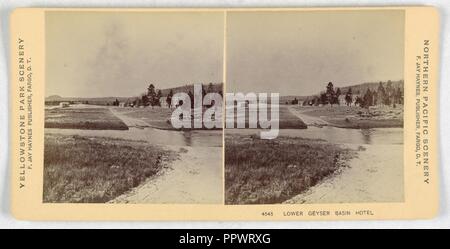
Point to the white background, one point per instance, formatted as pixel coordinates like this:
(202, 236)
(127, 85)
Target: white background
(7, 221)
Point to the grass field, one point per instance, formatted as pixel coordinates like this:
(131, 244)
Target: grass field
(357, 117)
(272, 171)
(156, 117)
(83, 118)
(95, 170)
(287, 120)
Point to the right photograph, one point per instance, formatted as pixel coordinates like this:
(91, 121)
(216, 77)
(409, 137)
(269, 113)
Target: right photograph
(328, 86)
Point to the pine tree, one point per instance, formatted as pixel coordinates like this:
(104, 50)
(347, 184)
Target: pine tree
(323, 99)
(169, 99)
(191, 96)
(389, 93)
(399, 96)
(158, 98)
(203, 92)
(368, 99)
(349, 97)
(330, 94)
(210, 88)
(381, 94)
(336, 98)
(145, 100)
(151, 94)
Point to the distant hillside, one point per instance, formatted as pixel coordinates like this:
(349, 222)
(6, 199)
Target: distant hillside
(216, 87)
(284, 99)
(362, 88)
(356, 89)
(56, 99)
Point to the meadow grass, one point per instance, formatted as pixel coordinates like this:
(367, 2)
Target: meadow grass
(272, 171)
(83, 118)
(96, 170)
(287, 120)
(156, 117)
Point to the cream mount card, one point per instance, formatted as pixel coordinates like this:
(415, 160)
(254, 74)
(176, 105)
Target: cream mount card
(224, 114)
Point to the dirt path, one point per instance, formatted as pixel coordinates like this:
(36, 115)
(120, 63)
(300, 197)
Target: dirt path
(375, 175)
(130, 122)
(196, 177)
(308, 120)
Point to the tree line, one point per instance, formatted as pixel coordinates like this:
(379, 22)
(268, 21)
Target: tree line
(385, 94)
(152, 97)
(205, 90)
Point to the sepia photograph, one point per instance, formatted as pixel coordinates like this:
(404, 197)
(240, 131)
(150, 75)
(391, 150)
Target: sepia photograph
(222, 115)
(111, 82)
(191, 114)
(338, 81)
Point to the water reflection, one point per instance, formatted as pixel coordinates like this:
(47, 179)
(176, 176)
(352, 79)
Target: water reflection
(213, 138)
(366, 134)
(207, 138)
(188, 138)
(338, 135)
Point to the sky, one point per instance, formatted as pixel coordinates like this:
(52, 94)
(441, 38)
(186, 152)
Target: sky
(101, 54)
(298, 53)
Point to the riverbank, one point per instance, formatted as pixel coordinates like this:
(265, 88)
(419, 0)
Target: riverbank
(272, 171)
(372, 172)
(286, 119)
(374, 175)
(194, 177)
(139, 164)
(154, 117)
(82, 169)
(82, 117)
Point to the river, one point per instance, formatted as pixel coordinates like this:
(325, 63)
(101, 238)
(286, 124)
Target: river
(209, 138)
(375, 174)
(338, 135)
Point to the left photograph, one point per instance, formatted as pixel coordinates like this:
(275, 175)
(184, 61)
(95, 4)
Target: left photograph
(112, 81)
